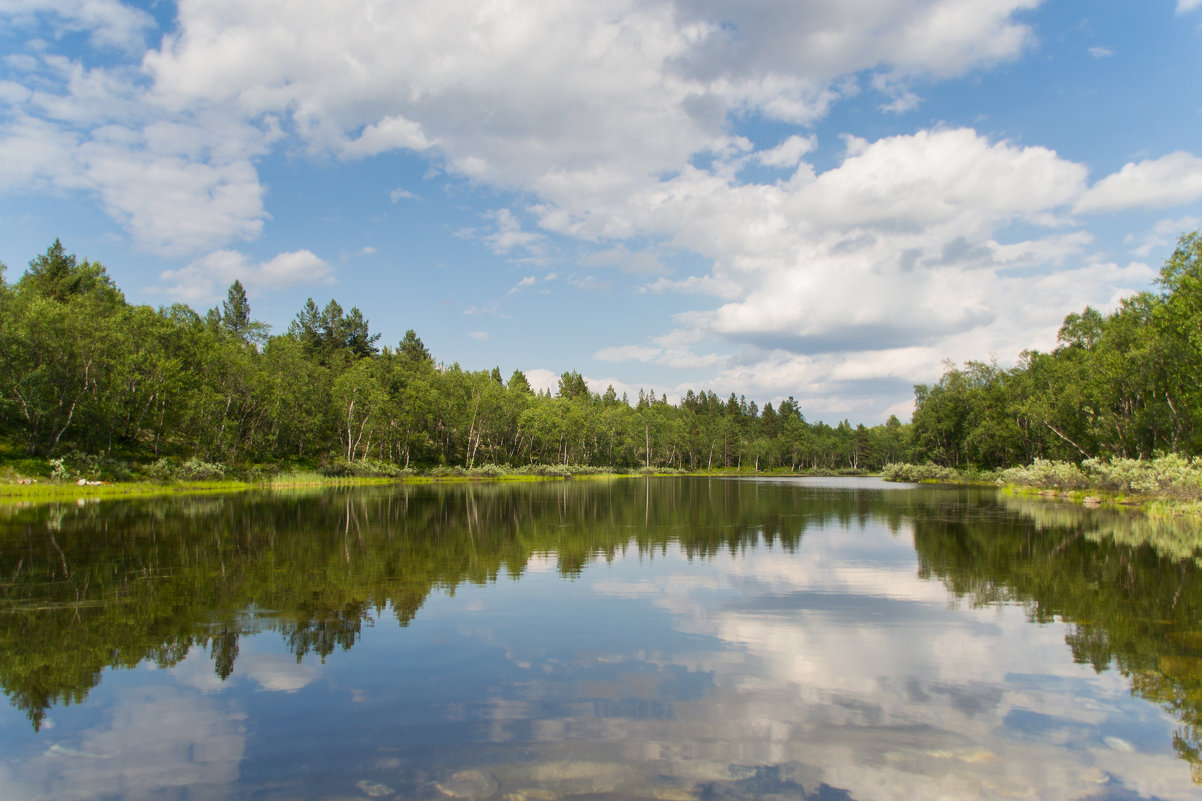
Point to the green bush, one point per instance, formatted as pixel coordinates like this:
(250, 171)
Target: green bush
(368, 468)
(75, 465)
(1046, 473)
(165, 469)
(914, 473)
(196, 470)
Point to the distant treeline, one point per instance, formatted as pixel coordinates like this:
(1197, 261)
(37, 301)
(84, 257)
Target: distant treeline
(82, 371)
(1127, 384)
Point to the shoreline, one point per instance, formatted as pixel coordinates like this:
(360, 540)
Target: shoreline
(43, 490)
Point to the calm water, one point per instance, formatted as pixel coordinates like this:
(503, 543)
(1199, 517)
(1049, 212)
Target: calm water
(663, 639)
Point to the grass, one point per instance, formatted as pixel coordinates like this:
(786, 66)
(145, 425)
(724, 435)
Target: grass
(135, 481)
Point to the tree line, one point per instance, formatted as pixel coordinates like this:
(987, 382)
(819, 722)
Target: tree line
(1122, 385)
(83, 371)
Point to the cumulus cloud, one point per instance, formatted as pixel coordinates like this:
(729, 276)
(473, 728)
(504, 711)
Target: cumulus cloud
(207, 278)
(788, 153)
(1171, 180)
(907, 221)
(108, 23)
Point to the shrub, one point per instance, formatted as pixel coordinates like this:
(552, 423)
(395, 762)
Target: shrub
(915, 473)
(1046, 473)
(85, 465)
(164, 470)
(368, 468)
(196, 470)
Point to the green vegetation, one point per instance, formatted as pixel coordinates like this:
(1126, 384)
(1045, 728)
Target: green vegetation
(1115, 409)
(93, 387)
(1119, 386)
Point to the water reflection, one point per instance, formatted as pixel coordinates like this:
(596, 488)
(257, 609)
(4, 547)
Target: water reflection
(667, 639)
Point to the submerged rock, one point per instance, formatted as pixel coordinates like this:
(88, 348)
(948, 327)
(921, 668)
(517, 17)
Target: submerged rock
(469, 784)
(374, 789)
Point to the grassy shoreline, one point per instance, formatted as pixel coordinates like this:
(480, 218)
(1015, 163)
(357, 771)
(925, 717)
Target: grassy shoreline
(1167, 486)
(49, 490)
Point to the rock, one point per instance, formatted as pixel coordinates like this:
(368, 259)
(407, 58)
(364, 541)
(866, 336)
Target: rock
(470, 784)
(374, 789)
(1092, 500)
(1119, 744)
(531, 795)
(83, 482)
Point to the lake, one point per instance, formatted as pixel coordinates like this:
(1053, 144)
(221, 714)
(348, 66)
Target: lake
(670, 639)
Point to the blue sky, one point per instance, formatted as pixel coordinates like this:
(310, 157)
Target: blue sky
(824, 200)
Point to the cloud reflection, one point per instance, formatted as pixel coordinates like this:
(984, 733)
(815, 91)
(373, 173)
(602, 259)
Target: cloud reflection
(155, 742)
(839, 666)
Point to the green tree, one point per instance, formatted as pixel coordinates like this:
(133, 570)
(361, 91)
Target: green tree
(413, 349)
(235, 316)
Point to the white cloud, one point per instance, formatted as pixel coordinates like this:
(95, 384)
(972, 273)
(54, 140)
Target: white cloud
(788, 153)
(207, 278)
(548, 98)
(509, 234)
(1187, 5)
(1162, 237)
(1170, 180)
(480, 336)
(108, 23)
(542, 379)
(1101, 52)
(640, 262)
(401, 194)
(391, 133)
(638, 353)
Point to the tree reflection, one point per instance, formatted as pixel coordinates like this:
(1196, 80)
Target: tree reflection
(86, 588)
(1127, 587)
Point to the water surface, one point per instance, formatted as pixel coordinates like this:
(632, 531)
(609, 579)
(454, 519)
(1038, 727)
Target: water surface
(641, 639)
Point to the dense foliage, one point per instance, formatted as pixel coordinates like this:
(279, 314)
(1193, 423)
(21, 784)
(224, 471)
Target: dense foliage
(1123, 385)
(87, 378)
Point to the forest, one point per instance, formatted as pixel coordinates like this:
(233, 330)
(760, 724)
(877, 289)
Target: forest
(1123, 385)
(89, 378)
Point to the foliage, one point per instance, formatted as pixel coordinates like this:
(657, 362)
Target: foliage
(1045, 473)
(82, 371)
(196, 470)
(915, 473)
(1118, 387)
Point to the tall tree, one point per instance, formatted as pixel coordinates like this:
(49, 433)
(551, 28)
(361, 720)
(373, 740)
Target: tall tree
(235, 316)
(412, 349)
(60, 276)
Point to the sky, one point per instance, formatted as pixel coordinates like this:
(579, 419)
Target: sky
(765, 197)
